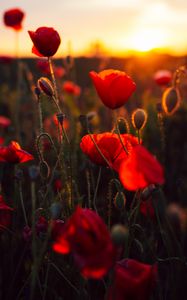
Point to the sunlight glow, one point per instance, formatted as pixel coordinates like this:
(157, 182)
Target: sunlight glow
(146, 39)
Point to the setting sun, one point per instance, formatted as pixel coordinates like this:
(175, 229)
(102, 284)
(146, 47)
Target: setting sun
(146, 39)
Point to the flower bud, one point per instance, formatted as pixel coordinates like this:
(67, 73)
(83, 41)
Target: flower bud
(120, 200)
(46, 86)
(60, 118)
(119, 234)
(139, 118)
(171, 100)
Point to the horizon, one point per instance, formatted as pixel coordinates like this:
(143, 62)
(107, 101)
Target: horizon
(113, 28)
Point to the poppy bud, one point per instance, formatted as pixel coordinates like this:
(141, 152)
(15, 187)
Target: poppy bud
(171, 100)
(37, 92)
(60, 118)
(120, 200)
(46, 86)
(139, 118)
(119, 234)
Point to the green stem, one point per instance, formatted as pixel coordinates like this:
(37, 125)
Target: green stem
(53, 78)
(119, 134)
(22, 202)
(96, 189)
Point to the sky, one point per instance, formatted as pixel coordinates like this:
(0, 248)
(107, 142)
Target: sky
(118, 26)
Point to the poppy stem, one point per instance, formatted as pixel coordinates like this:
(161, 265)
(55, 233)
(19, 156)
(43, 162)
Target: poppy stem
(100, 152)
(22, 203)
(118, 132)
(96, 189)
(139, 137)
(53, 78)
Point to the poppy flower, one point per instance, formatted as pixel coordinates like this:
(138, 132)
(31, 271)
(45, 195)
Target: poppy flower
(43, 66)
(132, 281)
(46, 41)
(59, 72)
(140, 169)
(5, 213)
(4, 122)
(163, 77)
(14, 154)
(110, 146)
(13, 18)
(71, 88)
(113, 87)
(86, 236)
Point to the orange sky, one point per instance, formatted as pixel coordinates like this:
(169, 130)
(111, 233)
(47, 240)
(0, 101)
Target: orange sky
(119, 25)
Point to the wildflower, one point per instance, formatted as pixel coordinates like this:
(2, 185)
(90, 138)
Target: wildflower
(13, 18)
(163, 77)
(4, 122)
(5, 214)
(87, 237)
(140, 169)
(14, 154)
(110, 146)
(132, 281)
(46, 41)
(71, 88)
(113, 87)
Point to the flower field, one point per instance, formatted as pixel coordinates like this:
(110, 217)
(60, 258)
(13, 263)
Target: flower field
(93, 174)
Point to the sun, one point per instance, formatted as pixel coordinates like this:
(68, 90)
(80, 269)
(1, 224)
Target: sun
(144, 40)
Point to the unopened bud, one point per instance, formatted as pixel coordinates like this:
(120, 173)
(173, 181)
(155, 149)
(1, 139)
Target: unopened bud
(37, 92)
(139, 118)
(120, 200)
(60, 118)
(46, 86)
(171, 100)
(119, 234)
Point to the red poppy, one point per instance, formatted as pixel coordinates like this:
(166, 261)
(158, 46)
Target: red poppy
(14, 154)
(5, 214)
(4, 122)
(110, 146)
(59, 72)
(13, 18)
(43, 66)
(113, 87)
(87, 237)
(132, 281)
(71, 88)
(163, 77)
(140, 169)
(46, 41)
